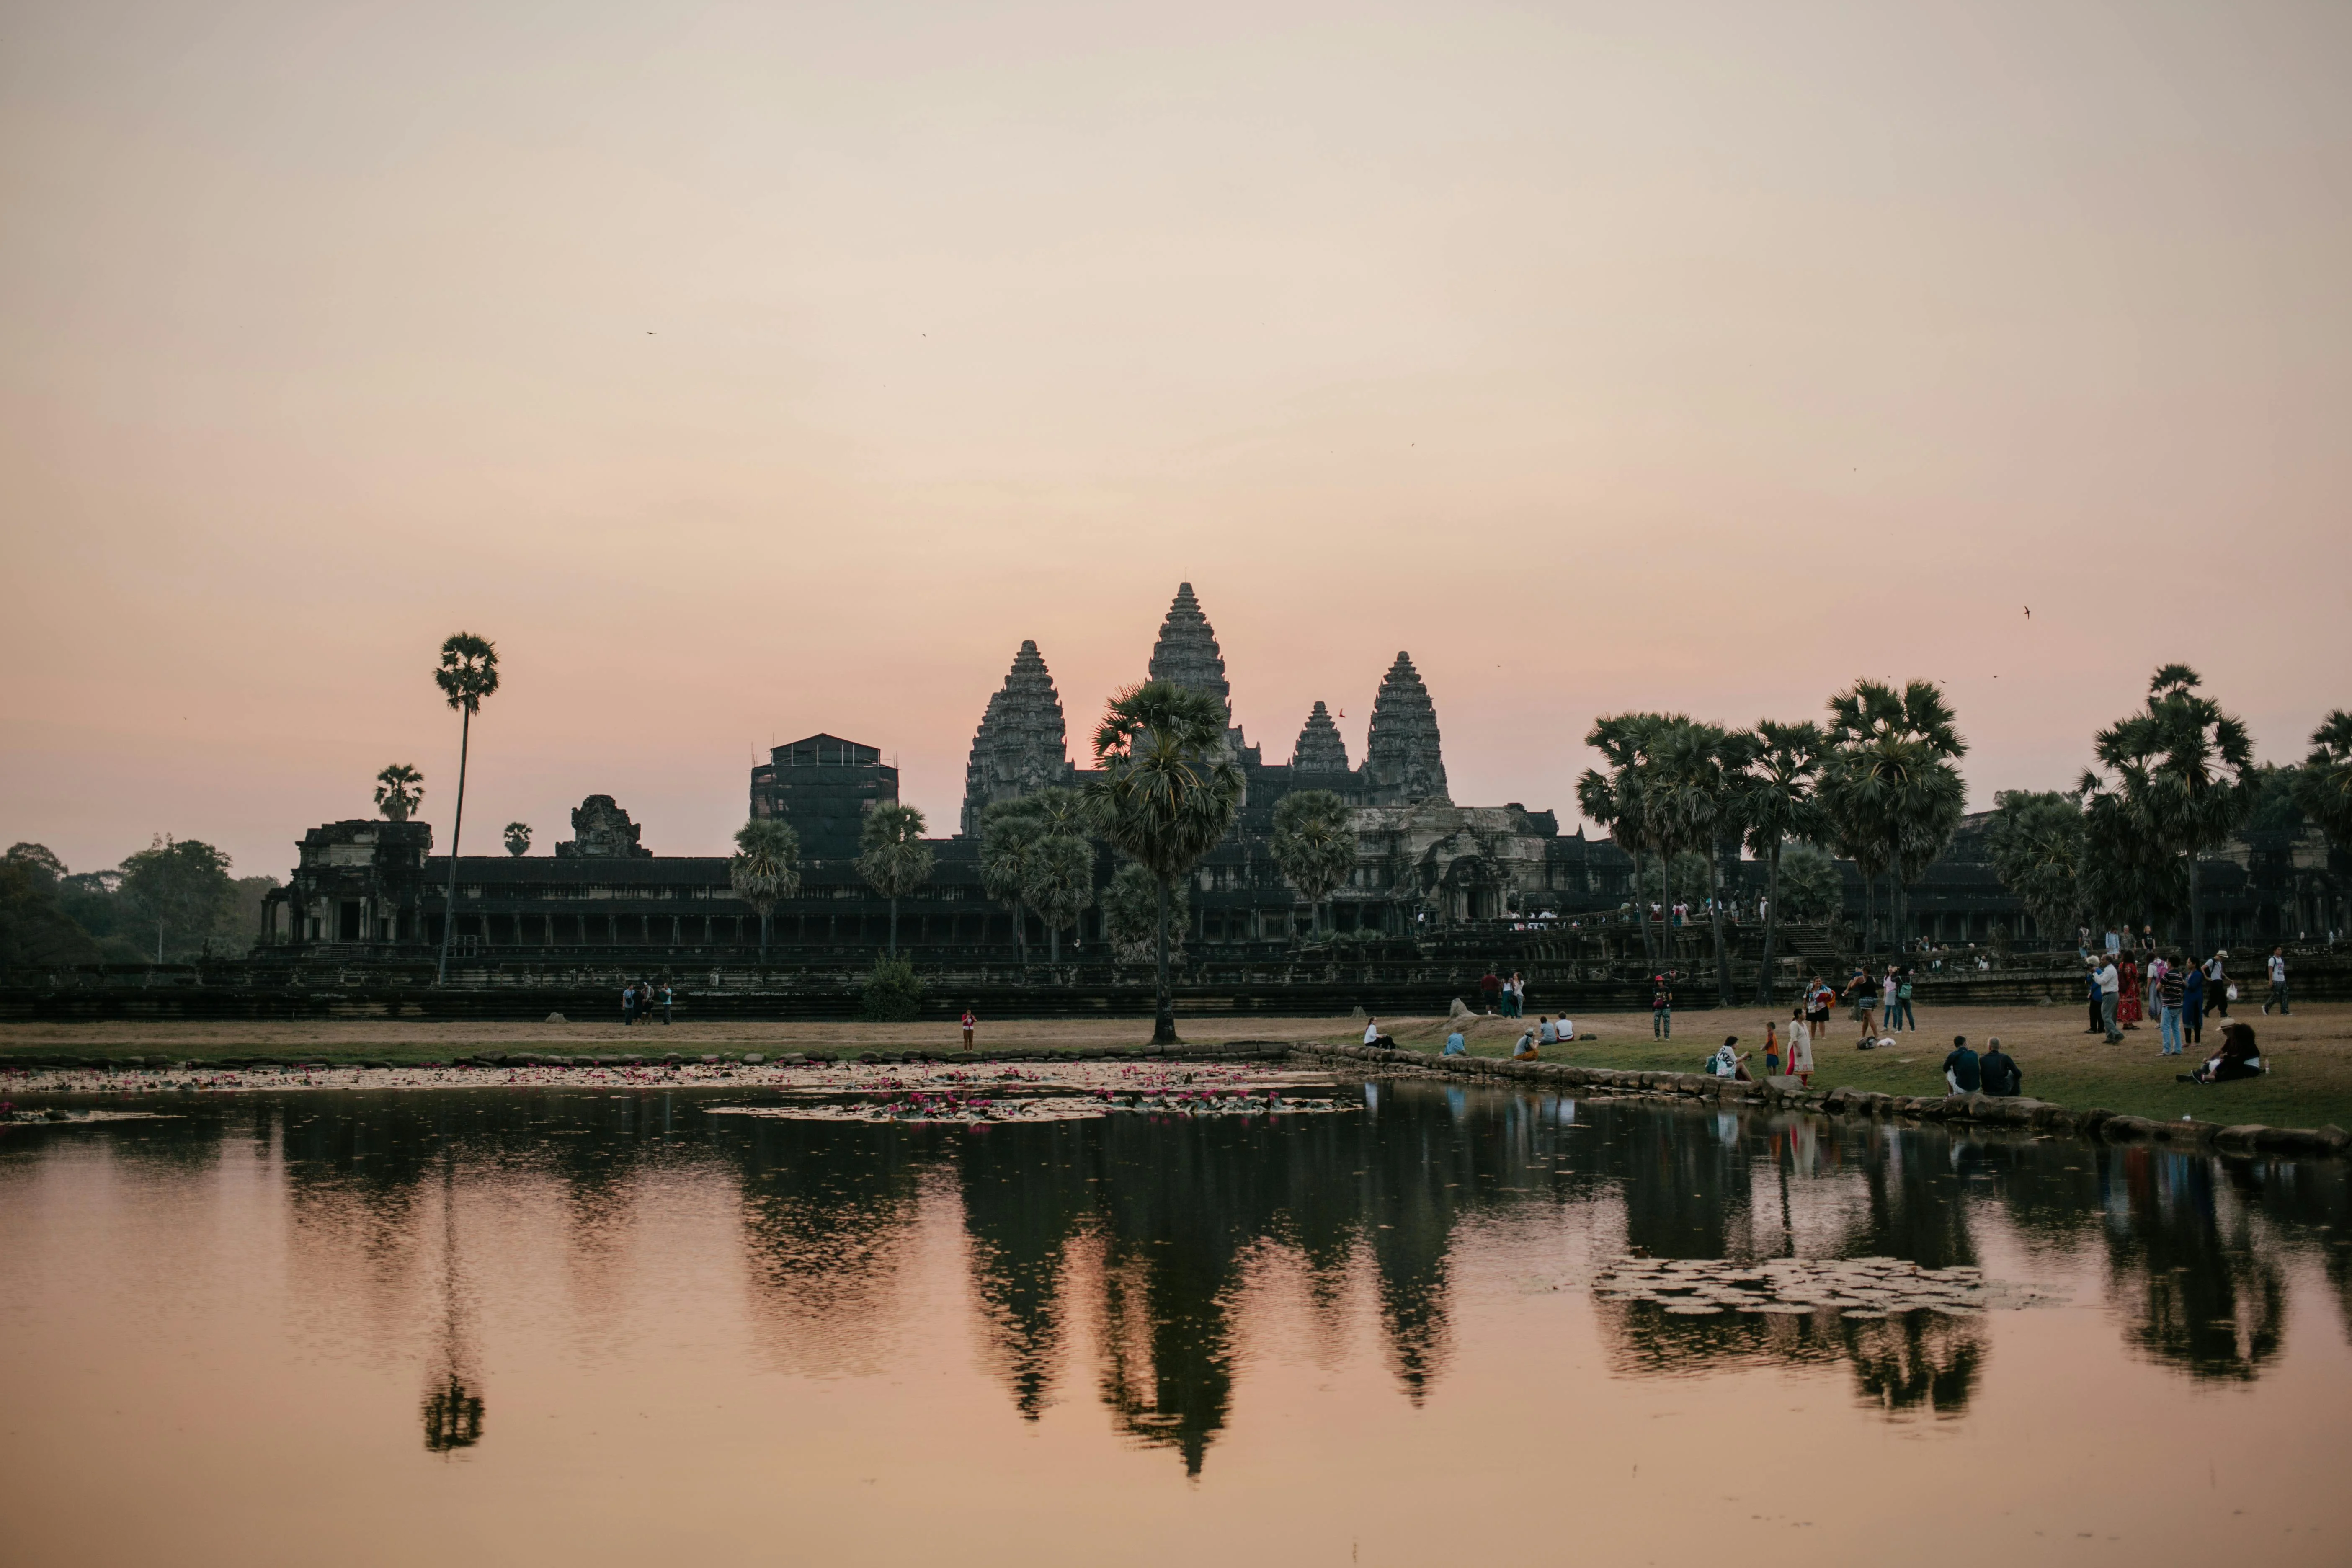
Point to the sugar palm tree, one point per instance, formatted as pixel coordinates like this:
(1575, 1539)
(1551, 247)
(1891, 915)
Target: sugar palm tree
(1893, 794)
(894, 859)
(2180, 770)
(1780, 804)
(518, 839)
(1168, 792)
(1009, 839)
(1061, 885)
(2323, 785)
(1700, 768)
(1314, 845)
(399, 791)
(467, 674)
(1617, 802)
(765, 868)
(2037, 846)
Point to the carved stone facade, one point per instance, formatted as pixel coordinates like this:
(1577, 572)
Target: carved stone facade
(1022, 745)
(1403, 759)
(1321, 748)
(602, 831)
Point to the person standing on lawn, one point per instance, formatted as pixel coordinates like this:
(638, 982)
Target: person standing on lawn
(2172, 994)
(2110, 993)
(2278, 982)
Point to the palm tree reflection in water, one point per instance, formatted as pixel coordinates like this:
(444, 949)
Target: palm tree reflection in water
(1158, 1233)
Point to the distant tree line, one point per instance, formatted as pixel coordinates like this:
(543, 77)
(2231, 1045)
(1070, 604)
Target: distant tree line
(171, 902)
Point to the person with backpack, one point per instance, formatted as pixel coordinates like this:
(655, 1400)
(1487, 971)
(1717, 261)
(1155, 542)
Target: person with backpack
(1903, 1000)
(1661, 1012)
(2219, 992)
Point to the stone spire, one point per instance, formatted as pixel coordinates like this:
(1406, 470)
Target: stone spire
(1321, 749)
(1403, 759)
(1022, 745)
(1187, 651)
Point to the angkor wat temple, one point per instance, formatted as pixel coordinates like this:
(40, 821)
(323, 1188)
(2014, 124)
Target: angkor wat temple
(1426, 868)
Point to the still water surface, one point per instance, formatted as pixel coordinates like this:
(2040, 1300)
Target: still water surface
(593, 1326)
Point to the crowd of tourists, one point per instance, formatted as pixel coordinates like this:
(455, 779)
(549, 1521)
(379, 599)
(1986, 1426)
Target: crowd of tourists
(640, 999)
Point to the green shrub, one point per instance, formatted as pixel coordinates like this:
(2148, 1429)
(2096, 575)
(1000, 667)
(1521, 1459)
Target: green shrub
(894, 992)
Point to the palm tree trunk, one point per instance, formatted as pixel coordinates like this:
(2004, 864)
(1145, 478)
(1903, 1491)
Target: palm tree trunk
(1052, 947)
(2196, 909)
(1771, 926)
(1869, 906)
(1641, 915)
(456, 827)
(764, 936)
(1021, 933)
(1714, 919)
(1163, 1017)
(894, 926)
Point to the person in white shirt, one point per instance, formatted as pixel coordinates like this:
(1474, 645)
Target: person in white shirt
(2110, 990)
(2278, 981)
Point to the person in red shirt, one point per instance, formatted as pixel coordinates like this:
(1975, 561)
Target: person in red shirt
(968, 1021)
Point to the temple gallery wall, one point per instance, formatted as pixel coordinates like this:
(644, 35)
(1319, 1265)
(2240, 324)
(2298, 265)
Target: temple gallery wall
(1424, 864)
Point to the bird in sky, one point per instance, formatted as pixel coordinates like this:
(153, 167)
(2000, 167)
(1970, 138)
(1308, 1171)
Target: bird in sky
(2029, 612)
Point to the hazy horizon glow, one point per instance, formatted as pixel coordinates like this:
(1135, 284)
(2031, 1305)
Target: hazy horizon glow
(748, 372)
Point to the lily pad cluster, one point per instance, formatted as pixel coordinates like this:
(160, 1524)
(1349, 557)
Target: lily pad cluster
(1851, 1286)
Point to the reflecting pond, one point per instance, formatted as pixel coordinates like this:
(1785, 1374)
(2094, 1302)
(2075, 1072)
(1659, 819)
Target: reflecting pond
(605, 1325)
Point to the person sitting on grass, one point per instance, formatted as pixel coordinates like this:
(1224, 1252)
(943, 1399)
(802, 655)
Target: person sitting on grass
(1963, 1072)
(1730, 1062)
(1525, 1051)
(1372, 1035)
(1999, 1070)
(2239, 1058)
(1545, 1034)
(1455, 1046)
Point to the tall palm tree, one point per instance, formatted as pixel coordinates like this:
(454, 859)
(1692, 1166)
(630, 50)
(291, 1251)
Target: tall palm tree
(1009, 839)
(467, 674)
(1894, 795)
(399, 791)
(1781, 803)
(518, 839)
(1699, 769)
(894, 860)
(1314, 845)
(1618, 802)
(2180, 772)
(765, 868)
(2323, 785)
(1167, 793)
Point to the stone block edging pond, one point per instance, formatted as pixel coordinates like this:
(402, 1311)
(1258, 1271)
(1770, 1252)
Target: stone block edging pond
(1988, 1111)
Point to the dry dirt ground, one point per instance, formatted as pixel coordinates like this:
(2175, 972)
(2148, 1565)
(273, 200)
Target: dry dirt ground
(2310, 1052)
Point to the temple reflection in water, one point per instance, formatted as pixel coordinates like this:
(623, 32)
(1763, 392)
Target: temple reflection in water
(1146, 1245)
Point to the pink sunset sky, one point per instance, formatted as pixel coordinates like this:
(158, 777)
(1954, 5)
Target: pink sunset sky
(746, 371)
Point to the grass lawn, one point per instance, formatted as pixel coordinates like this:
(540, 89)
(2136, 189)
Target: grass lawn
(2310, 1053)
(2310, 1056)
